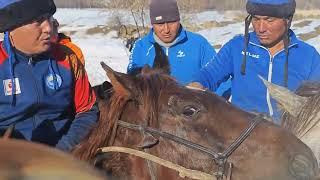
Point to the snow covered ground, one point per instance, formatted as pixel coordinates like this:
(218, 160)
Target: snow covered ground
(109, 48)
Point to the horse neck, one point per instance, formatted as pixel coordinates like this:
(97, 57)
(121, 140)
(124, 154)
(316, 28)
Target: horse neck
(101, 135)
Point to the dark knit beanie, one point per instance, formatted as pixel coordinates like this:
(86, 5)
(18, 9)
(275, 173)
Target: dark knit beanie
(14, 13)
(273, 8)
(162, 11)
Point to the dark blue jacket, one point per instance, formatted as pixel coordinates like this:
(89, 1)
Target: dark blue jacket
(53, 101)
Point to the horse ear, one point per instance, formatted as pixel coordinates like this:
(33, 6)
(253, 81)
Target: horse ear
(289, 101)
(122, 83)
(148, 141)
(161, 60)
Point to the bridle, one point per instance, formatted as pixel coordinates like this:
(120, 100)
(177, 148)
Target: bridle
(220, 159)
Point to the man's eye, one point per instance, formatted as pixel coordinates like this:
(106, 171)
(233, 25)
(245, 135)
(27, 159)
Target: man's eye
(270, 19)
(255, 19)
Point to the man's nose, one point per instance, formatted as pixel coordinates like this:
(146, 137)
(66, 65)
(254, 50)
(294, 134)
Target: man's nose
(166, 28)
(262, 26)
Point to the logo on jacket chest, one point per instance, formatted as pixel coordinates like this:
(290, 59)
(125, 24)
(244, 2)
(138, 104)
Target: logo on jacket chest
(180, 54)
(256, 56)
(53, 81)
(8, 87)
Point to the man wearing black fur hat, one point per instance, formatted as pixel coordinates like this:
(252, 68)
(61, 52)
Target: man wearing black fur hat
(271, 51)
(46, 94)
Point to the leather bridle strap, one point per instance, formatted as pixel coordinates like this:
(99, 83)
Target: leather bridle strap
(220, 158)
(169, 137)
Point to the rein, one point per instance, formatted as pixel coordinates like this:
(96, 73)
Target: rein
(183, 172)
(220, 159)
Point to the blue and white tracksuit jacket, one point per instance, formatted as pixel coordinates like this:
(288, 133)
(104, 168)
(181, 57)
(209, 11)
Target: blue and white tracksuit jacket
(186, 57)
(248, 91)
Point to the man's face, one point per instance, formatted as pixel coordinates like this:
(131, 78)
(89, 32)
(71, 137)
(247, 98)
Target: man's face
(270, 30)
(33, 38)
(167, 32)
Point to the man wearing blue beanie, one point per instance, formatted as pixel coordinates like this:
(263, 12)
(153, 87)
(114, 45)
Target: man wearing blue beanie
(272, 51)
(186, 52)
(45, 91)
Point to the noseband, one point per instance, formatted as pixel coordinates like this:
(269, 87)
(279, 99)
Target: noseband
(220, 159)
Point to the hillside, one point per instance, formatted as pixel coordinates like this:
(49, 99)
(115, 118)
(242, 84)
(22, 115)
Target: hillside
(203, 4)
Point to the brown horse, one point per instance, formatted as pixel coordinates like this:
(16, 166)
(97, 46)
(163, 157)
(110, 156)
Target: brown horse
(157, 105)
(21, 160)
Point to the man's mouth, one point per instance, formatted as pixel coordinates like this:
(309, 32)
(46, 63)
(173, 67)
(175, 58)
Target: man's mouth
(263, 37)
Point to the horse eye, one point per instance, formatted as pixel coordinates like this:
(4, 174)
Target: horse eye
(190, 111)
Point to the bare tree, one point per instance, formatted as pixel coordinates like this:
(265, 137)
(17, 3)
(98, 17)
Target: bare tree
(137, 8)
(80, 3)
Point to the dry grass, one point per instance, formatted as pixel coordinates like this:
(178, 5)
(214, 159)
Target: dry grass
(123, 31)
(206, 25)
(304, 14)
(303, 23)
(310, 35)
(99, 30)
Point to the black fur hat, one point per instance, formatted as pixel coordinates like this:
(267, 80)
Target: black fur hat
(273, 8)
(14, 13)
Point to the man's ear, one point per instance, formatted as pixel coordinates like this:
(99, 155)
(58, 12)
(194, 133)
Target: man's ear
(289, 21)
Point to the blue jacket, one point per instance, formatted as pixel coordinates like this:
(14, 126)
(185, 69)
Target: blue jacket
(186, 57)
(53, 101)
(248, 91)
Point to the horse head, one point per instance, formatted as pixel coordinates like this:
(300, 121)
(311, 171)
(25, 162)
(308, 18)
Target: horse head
(190, 127)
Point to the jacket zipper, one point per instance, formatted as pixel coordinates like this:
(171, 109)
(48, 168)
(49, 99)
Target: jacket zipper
(30, 64)
(270, 80)
(268, 97)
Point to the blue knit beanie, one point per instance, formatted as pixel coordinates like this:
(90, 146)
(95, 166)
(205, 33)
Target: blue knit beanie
(273, 8)
(14, 13)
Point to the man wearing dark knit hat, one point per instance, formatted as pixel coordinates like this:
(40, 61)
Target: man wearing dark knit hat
(271, 51)
(187, 52)
(46, 94)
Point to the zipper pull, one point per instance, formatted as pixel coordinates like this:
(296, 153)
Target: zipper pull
(30, 61)
(271, 60)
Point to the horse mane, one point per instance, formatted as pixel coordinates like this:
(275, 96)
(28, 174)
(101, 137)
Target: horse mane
(160, 62)
(149, 86)
(100, 135)
(306, 118)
